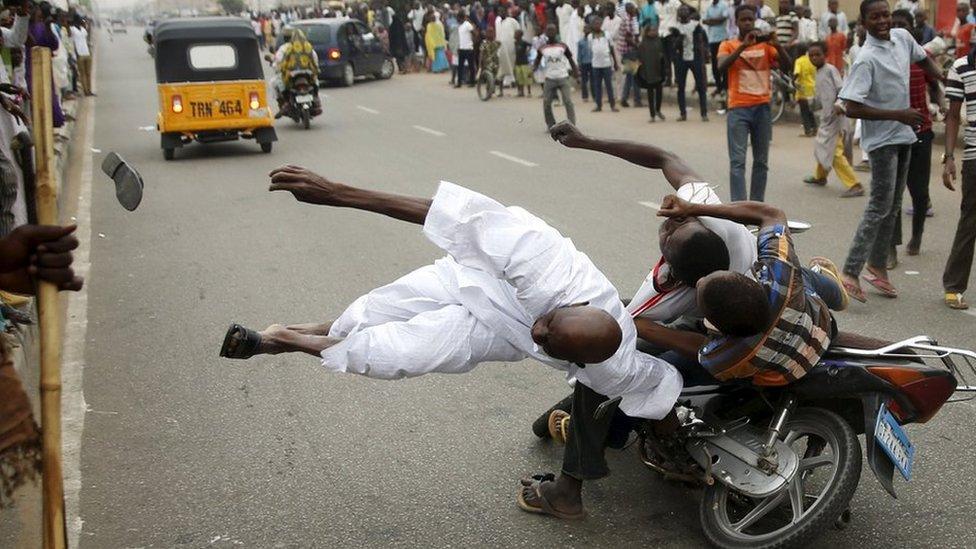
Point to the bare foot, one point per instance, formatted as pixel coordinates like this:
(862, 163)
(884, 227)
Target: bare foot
(314, 328)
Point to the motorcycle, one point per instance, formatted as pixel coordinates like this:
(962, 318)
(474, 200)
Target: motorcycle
(303, 103)
(780, 464)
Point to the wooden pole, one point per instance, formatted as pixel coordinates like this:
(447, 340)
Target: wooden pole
(48, 303)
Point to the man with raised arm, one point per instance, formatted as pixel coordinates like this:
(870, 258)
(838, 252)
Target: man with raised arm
(511, 287)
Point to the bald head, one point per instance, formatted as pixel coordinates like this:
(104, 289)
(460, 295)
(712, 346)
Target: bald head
(578, 334)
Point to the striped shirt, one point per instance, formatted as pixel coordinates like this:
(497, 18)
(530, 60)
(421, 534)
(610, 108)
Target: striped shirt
(784, 27)
(961, 86)
(799, 335)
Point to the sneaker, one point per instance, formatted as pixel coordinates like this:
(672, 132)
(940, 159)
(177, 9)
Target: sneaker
(955, 301)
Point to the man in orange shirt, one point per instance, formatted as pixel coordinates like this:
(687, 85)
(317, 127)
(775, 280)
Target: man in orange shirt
(836, 46)
(749, 62)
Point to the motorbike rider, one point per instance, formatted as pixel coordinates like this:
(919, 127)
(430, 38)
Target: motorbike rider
(296, 54)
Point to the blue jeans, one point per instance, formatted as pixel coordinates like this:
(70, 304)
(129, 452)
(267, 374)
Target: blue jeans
(698, 72)
(824, 287)
(875, 234)
(749, 124)
(602, 77)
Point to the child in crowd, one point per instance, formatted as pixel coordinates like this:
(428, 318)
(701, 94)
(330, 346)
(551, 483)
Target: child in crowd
(650, 74)
(805, 76)
(836, 43)
(585, 60)
(829, 150)
(523, 67)
(488, 57)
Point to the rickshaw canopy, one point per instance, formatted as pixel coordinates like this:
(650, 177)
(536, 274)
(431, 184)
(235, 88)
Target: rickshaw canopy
(206, 49)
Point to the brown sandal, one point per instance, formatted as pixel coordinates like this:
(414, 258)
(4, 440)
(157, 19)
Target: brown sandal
(855, 292)
(559, 426)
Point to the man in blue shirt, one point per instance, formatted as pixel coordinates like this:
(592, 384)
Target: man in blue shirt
(876, 91)
(716, 26)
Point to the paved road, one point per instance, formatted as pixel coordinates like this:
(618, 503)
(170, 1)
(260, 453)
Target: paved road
(181, 448)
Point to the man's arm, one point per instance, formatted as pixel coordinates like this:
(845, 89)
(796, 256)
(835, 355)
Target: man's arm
(933, 70)
(951, 136)
(314, 189)
(783, 58)
(747, 213)
(674, 168)
(909, 117)
(726, 61)
(685, 342)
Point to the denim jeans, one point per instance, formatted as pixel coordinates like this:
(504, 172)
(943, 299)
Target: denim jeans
(586, 75)
(602, 78)
(630, 87)
(747, 124)
(549, 90)
(824, 287)
(874, 236)
(681, 76)
(917, 183)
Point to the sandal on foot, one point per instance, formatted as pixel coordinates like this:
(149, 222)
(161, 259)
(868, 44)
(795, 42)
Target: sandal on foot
(544, 507)
(955, 301)
(854, 291)
(853, 192)
(559, 426)
(811, 180)
(240, 342)
(880, 284)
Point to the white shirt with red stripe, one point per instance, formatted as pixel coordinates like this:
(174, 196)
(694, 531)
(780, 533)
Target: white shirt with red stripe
(663, 301)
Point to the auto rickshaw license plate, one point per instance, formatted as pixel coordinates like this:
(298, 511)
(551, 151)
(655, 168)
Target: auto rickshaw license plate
(216, 109)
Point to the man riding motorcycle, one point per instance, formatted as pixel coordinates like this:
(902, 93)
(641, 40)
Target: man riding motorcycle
(296, 55)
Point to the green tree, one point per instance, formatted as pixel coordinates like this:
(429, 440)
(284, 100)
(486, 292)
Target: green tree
(232, 7)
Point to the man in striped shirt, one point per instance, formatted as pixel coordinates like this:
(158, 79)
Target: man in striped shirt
(771, 328)
(960, 89)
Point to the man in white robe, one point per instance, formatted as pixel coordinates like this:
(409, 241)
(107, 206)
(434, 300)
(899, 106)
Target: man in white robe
(564, 14)
(505, 33)
(510, 288)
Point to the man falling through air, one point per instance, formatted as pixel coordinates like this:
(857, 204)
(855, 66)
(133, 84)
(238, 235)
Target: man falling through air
(511, 287)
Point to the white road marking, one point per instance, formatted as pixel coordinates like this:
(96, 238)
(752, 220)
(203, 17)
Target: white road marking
(367, 109)
(649, 204)
(912, 273)
(431, 131)
(75, 334)
(515, 159)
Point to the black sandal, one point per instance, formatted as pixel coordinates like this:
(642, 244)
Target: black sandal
(240, 342)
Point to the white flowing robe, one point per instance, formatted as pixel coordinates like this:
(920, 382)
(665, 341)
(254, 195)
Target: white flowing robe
(505, 268)
(564, 13)
(505, 33)
(573, 34)
(832, 125)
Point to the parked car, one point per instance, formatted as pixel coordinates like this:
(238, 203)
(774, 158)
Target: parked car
(117, 26)
(346, 48)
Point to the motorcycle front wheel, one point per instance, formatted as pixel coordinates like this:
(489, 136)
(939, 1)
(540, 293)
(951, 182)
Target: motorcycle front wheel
(820, 492)
(306, 118)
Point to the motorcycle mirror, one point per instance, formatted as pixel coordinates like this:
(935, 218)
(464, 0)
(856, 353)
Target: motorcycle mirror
(128, 182)
(797, 227)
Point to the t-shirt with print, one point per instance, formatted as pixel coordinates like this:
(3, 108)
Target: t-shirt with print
(687, 33)
(961, 86)
(798, 335)
(749, 76)
(664, 300)
(555, 56)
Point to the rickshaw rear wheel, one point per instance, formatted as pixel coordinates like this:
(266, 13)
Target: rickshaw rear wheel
(169, 154)
(266, 147)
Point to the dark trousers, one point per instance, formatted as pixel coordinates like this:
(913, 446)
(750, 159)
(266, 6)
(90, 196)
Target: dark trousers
(918, 185)
(697, 69)
(588, 436)
(465, 59)
(655, 95)
(602, 78)
(806, 116)
(955, 279)
(668, 57)
(719, 77)
(586, 75)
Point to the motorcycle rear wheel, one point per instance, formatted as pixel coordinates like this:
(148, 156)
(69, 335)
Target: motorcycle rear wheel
(823, 431)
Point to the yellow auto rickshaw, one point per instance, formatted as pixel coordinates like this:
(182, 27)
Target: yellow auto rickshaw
(211, 83)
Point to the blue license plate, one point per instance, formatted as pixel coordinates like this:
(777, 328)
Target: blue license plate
(893, 439)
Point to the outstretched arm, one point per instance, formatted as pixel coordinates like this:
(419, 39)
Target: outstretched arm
(674, 168)
(314, 189)
(747, 213)
(683, 342)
